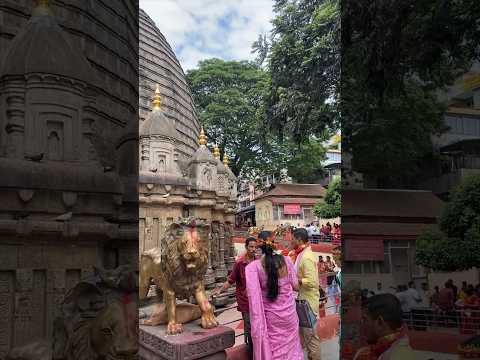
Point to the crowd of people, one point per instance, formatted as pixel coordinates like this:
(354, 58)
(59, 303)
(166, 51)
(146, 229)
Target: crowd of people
(324, 233)
(268, 283)
(438, 307)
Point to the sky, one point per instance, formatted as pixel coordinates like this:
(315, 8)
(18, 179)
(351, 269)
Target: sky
(202, 29)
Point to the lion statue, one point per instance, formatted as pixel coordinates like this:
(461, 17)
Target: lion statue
(177, 269)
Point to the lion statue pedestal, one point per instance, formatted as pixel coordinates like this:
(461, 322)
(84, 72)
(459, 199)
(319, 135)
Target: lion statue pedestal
(175, 331)
(193, 343)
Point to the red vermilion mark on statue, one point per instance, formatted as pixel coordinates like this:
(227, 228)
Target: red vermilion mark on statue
(193, 238)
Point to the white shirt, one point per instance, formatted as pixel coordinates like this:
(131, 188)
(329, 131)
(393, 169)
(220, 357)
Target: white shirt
(402, 297)
(413, 298)
(310, 230)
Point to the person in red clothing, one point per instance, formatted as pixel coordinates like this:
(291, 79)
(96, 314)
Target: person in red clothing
(237, 277)
(446, 298)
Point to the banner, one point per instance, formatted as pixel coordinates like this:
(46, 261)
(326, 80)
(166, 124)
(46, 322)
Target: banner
(291, 209)
(364, 250)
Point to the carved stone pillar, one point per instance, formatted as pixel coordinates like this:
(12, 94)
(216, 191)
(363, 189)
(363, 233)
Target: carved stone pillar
(56, 293)
(7, 288)
(221, 272)
(215, 245)
(230, 246)
(23, 306)
(209, 277)
(15, 123)
(145, 155)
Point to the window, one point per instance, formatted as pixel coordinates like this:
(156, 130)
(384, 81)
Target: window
(385, 265)
(352, 267)
(369, 267)
(275, 212)
(307, 213)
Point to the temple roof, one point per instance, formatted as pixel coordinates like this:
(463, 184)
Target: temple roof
(158, 124)
(391, 203)
(42, 47)
(295, 190)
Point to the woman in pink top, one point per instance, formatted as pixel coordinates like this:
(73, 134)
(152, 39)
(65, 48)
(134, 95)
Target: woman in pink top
(273, 317)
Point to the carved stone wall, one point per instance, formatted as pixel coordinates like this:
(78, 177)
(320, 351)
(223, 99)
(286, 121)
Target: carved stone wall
(34, 277)
(65, 206)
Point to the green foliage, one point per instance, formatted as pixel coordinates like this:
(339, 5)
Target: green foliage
(304, 165)
(457, 246)
(331, 207)
(303, 63)
(396, 56)
(229, 96)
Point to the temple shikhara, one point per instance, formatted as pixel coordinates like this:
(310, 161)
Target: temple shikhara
(179, 178)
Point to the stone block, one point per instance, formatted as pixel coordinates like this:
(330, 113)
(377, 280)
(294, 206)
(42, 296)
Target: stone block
(194, 343)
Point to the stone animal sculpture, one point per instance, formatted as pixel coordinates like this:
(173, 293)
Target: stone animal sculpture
(178, 268)
(98, 322)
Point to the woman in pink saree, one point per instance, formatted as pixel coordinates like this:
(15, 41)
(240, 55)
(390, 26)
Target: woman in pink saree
(271, 281)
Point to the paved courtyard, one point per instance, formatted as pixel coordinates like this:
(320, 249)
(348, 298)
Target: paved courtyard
(232, 318)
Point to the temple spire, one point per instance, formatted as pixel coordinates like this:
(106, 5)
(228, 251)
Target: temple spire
(216, 152)
(203, 139)
(226, 160)
(157, 101)
(42, 8)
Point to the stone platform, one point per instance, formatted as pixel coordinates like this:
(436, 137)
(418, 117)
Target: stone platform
(194, 343)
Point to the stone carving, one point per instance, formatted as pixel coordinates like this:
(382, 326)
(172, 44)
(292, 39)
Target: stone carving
(178, 269)
(98, 320)
(57, 115)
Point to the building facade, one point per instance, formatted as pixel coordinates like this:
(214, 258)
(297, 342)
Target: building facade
(379, 233)
(287, 204)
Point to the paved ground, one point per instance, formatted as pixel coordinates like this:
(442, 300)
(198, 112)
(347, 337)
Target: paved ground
(425, 355)
(330, 348)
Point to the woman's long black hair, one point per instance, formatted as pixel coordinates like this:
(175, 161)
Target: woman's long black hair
(273, 263)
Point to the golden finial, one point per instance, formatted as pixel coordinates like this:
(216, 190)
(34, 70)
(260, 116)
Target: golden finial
(42, 8)
(156, 99)
(225, 160)
(203, 139)
(216, 152)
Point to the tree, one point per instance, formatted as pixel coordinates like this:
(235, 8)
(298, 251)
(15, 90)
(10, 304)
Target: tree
(230, 100)
(260, 47)
(457, 245)
(227, 95)
(397, 55)
(303, 62)
(331, 207)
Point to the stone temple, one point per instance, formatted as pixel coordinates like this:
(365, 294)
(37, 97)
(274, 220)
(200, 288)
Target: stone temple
(159, 66)
(179, 176)
(68, 129)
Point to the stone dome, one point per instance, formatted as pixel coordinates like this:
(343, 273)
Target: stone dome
(203, 155)
(158, 124)
(42, 47)
(159, 66)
